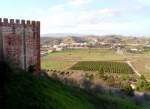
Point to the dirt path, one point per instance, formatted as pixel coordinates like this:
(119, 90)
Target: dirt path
(129, 63)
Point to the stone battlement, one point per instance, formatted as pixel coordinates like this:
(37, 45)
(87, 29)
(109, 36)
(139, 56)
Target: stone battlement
(20, 42)
(6, 21)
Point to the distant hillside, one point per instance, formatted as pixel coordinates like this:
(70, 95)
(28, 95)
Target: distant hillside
(72, 39)
(25, 91)
(92, 38)
(50, 40)
(58, 40)
(62, 35)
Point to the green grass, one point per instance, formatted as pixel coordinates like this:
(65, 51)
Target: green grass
(25, 91)
(59, 65)
(103, 66)
(65, 59)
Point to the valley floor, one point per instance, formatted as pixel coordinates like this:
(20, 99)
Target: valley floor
(67, 58)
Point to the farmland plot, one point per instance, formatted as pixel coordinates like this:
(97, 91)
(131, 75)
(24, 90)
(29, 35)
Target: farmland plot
(103, 67)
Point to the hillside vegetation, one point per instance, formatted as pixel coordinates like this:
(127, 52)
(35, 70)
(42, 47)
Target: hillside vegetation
(25, 91)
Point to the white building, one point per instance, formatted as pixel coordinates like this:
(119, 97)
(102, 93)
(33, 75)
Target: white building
(58, 47)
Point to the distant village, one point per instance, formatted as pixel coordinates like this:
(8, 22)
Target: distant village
(45, 49)
(50, 47)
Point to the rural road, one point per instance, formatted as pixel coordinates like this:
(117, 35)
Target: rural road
(129, 63)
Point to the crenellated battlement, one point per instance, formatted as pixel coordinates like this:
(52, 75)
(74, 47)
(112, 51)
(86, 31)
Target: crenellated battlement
(5, 21)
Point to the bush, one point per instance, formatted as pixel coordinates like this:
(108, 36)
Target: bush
(89, 76)
(110, 81)
(142, 84)
(127, 89)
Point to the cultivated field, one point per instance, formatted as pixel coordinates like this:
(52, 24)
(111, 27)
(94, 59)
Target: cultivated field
(66, 59)
(103, 67)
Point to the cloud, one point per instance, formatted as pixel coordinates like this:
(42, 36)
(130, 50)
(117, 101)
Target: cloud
(79, 2)
(66, 21)
(109, 11)
(138, 7)
(97, 16)
(146, 2)
(108, 20)
(57, 8)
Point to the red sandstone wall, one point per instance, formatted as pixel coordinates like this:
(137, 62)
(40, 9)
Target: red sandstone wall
(20, 42)
(0, 41)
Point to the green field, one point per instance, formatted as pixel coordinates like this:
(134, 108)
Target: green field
(103, 67)
(67, 58)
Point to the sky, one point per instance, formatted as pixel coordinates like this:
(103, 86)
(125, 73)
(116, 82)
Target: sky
(97, 17)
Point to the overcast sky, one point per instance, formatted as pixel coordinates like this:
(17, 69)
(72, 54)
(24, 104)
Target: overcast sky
(127, 17)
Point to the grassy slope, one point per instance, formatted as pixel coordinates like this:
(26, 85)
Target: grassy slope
(24, 91)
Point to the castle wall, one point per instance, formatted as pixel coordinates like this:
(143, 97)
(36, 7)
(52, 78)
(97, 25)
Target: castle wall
(1, 42)
(20, 43)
